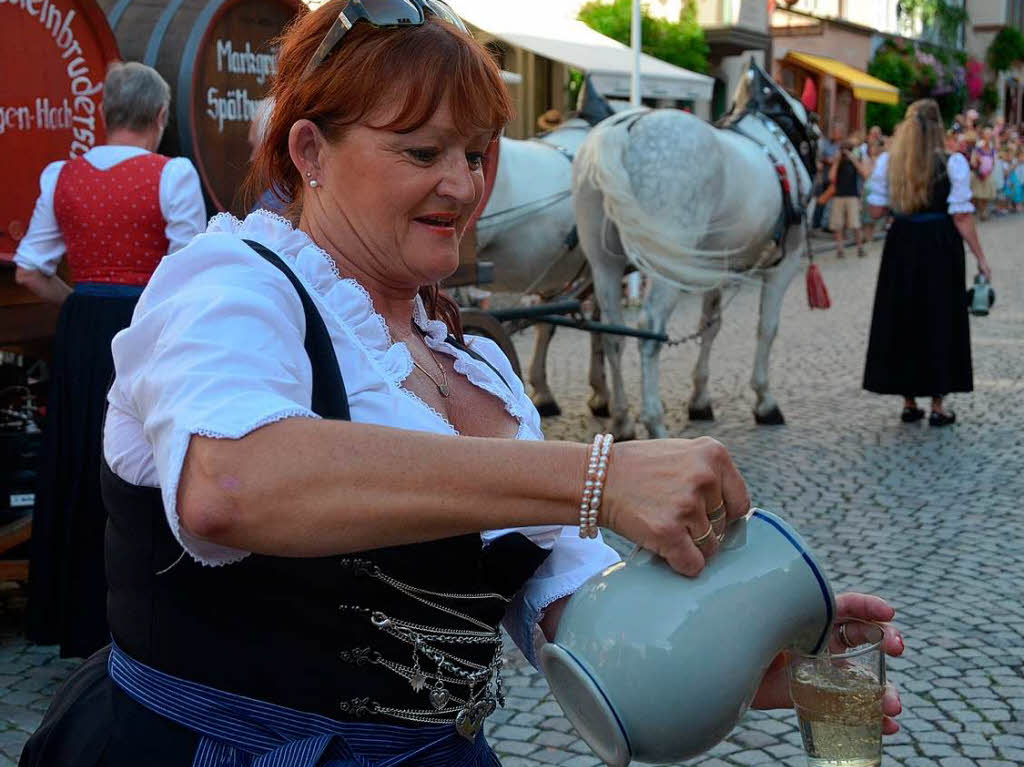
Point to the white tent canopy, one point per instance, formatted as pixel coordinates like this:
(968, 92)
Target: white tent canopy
(550, 31)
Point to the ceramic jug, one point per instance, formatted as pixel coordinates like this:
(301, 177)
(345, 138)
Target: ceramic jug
(653, 666)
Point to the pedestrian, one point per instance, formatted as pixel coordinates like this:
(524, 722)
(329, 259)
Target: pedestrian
(824, 191)
(1017, 181)
(983, 161)
(867, 168)
(114, 212)
(920, 341)
(324, 498)
(846, 203)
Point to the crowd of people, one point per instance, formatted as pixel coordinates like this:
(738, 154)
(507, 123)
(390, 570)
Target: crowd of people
(994, 152)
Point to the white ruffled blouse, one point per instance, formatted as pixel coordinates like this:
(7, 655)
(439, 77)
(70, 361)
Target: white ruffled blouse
(959, 171)
(215, 348)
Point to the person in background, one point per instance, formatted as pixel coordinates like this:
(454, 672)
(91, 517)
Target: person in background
(116, 211)
(920, 343)
(827, 150)
(874, 136)
(550, 120)
(1017, 181)
(845, 175)
(867, 168)
(1001, 179)
(983, 161)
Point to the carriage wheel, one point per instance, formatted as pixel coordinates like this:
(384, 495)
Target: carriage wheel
(480, 323)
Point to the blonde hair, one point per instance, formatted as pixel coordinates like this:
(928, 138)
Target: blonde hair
(918, 143)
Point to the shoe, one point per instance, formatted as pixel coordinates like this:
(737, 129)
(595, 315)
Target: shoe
(941, 419)
(912, 415)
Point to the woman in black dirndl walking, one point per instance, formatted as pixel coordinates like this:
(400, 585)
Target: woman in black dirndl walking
(920, 343)
(115, 211)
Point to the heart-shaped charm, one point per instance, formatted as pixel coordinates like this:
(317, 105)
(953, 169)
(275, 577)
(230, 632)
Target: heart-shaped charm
(439, 698)
(469, 721)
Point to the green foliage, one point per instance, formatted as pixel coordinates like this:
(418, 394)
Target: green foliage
(1006, 49)
(681, 43)
(940, 15)
(989, 98)
(919, 71)
(575, 86)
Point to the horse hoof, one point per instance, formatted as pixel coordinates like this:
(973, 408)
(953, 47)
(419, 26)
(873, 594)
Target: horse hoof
(549, 409)
(600, 411)
(773, 417)
(702, 414)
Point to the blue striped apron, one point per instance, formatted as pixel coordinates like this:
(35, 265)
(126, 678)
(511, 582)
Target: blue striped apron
(243, 732)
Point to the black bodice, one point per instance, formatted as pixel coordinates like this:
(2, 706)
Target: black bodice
(302, 633)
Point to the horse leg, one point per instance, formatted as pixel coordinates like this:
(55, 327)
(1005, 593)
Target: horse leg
(773, 290)
(598, 402)
(658, 306)
(542, 398)
(710, 324)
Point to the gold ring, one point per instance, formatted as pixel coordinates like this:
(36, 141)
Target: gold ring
(718, 513)
(708, 534)
(842, 635)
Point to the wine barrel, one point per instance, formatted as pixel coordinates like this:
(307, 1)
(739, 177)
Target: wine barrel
(217, 57)
(55, 56)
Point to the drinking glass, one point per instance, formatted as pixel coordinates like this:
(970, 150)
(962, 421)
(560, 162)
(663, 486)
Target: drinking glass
(838, 697)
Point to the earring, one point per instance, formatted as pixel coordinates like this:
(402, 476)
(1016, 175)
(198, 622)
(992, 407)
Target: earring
(314, 183)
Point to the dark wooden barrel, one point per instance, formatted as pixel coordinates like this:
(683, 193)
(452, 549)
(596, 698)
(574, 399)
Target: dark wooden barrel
(55, 55)
(217, 57)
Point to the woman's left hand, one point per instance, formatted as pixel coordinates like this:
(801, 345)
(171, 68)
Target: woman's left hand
(774, 689)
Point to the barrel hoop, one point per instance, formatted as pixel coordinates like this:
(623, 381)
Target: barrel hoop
(114, 17)
(156, 37)
(187, 76)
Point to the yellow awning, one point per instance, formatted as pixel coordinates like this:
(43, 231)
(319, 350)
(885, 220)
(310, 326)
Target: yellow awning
(865, 87)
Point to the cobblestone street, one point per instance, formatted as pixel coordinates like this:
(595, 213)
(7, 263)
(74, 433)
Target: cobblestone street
(929, 518)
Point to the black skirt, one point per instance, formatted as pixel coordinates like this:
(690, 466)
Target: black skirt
(920, 342)
(67, 586)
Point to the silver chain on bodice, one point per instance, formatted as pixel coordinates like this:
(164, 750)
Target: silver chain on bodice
(434, 662)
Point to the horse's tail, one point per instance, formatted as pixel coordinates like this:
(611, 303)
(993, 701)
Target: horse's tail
(666, 207)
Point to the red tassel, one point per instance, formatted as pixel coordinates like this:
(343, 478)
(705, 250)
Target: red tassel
(817, 293)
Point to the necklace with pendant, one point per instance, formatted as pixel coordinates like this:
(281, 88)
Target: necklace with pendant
(443, 389)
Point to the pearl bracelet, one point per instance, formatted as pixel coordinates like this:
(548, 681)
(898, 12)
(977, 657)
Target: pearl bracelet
(593, 485)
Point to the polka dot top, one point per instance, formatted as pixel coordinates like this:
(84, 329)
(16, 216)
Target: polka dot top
(111, 219)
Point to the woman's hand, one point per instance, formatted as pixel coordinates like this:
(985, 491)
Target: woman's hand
(984, 268)
(662, 493)
(774, 689)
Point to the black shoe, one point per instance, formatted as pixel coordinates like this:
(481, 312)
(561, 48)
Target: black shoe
(941, 419)
(912, 415)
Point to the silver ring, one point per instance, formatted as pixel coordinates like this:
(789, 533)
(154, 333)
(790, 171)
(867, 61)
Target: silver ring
(708, 534)
(842, 635)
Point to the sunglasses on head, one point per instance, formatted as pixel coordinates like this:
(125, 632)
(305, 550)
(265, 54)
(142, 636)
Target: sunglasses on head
(381, 14)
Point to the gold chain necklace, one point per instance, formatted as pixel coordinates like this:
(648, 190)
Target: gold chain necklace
(443, 389)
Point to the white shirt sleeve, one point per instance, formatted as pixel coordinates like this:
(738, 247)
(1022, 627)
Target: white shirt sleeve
(181, 202)
(572, 561)
(43, 245)
(959, 171)
(879, 183)
(215, 348)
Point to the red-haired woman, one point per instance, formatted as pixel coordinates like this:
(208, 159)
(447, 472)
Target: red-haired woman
(324, 499)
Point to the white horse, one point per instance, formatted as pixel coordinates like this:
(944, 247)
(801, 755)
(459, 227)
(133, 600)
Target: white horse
(695, 208)
(528, 231)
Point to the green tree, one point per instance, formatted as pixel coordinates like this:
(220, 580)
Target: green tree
(1005, 49)
(681, 43)
(940, 15)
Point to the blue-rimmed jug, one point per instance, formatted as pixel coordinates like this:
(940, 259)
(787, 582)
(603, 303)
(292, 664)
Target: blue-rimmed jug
(652, 666)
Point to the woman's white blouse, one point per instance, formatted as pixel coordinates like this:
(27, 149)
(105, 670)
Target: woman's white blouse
(959, 171)
(215, 348)
(181, 203)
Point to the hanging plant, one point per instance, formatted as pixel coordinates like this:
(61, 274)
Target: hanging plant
(1006, 49)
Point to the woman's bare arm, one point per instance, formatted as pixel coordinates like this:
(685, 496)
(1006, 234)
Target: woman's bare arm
(51, 289)
(965, 224)
(307, 488)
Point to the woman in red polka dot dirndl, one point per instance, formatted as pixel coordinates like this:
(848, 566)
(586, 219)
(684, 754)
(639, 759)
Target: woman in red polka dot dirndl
(115, 212)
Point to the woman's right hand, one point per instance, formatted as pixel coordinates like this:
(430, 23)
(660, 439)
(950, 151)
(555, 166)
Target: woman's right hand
(984, 268)
(661, 494)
